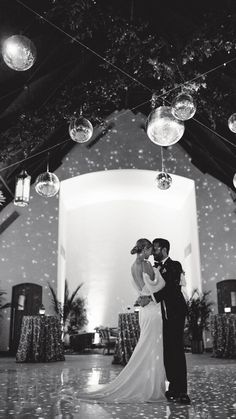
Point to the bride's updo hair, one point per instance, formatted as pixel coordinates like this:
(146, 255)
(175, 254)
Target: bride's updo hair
(140, 245)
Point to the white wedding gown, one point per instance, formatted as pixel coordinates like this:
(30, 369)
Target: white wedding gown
(143, 378)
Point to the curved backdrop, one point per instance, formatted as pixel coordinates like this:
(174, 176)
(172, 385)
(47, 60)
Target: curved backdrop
(101, 216)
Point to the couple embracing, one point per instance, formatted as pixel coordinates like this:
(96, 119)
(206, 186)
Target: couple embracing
(159, 353)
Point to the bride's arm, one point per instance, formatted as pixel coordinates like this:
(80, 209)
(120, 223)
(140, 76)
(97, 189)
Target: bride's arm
(148, 269)
(154, 285)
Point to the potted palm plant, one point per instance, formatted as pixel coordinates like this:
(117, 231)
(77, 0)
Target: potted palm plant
(199, 310)
(72, 313)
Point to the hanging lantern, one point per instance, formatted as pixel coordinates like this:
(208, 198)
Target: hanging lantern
(164, 180)
(162, 128)
(22, 189)
(232, 122)
(47, 184)
(80, 129)
(19, 52)
(183, 107)
(234, 180)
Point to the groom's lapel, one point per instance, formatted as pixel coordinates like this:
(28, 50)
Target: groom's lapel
(164, 267)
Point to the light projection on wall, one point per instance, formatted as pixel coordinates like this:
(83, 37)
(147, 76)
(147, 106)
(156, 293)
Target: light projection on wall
(29, 246)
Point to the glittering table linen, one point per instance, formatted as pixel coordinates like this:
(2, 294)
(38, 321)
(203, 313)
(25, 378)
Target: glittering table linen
(40, 340)
(223, 331)
(128, 335)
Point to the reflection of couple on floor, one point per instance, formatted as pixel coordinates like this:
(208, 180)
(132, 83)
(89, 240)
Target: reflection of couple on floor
(159, 353)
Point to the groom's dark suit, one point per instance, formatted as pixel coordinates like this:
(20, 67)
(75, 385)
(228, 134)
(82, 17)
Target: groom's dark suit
(174, 310)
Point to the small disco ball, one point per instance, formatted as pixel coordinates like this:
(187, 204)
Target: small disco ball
(19, 52)
(80, 129)
(232, 122)
(163, 128)
(47, 184)
(234, 180)
(183, 107)
(164, 180)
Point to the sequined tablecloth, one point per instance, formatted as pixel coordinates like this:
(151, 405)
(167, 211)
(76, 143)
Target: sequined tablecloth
(40, 340)
(128, 335)
(223, 331)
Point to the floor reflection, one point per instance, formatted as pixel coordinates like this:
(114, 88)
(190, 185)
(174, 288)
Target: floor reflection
(51, 390)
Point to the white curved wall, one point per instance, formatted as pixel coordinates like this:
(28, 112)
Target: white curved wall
(101, 216)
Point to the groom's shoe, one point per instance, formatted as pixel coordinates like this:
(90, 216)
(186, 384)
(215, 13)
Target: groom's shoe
(183, 398)
(171, 397)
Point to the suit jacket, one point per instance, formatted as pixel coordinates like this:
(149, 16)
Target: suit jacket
(174, 302)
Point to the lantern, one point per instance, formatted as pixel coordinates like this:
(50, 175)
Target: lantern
(234, 180)
(80, 129)
(47, 184)
(232, 122)
(164, 180)
(22, 189)
(183, 107)
(163, 128)
(19, 52)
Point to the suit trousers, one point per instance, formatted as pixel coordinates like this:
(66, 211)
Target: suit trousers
(174, 355)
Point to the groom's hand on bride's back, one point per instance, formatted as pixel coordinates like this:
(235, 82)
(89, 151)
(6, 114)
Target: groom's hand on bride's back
(144, 300)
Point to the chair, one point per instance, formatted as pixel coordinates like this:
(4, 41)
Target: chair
(107, 338)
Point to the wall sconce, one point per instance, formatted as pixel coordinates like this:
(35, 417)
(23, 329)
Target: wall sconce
(227, 309)
(22, 189)
(21, 301)
(136, 307)
(42, 310)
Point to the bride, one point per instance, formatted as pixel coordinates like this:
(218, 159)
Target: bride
(143, 378)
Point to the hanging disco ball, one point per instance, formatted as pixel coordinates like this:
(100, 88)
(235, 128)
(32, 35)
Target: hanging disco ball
(232, 122)
(183, 107)
(164, 180)
(47, 184)
(162, 128)
(80, 129)
(234, 180)
(19, 52)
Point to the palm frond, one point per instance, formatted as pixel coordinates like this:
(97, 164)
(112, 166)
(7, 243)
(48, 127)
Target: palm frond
(68, 302)
(64, 310)
(56, 303)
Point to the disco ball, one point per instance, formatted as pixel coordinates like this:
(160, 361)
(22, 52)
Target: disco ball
(183, 107)
(47, 184)
(80, 129)
(19, 52)
(164, 180)
(163, 128)
(232, 122)
(234, 180)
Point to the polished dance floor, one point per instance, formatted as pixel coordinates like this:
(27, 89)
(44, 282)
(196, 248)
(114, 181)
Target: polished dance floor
(51, 390)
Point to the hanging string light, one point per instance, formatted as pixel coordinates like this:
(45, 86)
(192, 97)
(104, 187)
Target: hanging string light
(47, 184)
(234, 180)
(80, 128)
(232, 122)
(183, 107)
(163, 128)
(19, 52)
(22, 189)
(163, 179)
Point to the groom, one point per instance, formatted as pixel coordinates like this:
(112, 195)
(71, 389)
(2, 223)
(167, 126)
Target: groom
(174, 310)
